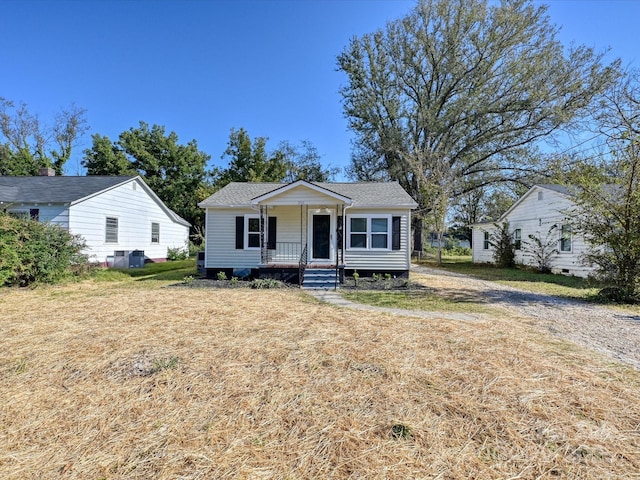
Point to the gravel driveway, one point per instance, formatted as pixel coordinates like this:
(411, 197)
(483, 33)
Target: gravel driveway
(604, 329)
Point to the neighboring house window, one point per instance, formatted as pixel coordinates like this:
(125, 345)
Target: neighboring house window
(369, 232)
(111, 230)
(539, 195)
(252, 231)
(565, 238)
(517, 238)
(34, 213)
(486, 244)
(155, 232)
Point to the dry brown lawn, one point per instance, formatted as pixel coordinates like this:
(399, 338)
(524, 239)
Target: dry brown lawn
(136, 380)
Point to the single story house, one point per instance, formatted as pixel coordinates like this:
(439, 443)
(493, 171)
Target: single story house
(544, 212)
(297, 230)
(112, 213)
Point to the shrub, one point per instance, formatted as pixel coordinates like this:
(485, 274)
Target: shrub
(265, 283)
(33, 252)
(177, 253)
(504, 254)
(221, 276)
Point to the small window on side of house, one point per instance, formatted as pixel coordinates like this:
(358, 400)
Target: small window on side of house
(540, 195)
(485, 243)
(34, 213)
(517, 238)
(155, 232)
(252, 232)
(565, 238)
(111, 230)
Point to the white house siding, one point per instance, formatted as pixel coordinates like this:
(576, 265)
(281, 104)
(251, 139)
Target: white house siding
(291, 235)
(302, 195)
(135, 211)
(381, 260)
(535, 216)
(220, 232)
(479, 253)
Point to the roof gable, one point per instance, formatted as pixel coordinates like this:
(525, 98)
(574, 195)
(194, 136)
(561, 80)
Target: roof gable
(558, 189)
(297, 186)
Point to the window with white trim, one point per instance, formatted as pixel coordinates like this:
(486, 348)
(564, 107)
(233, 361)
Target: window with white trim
(251, 232)
(486, 243)
(111, 230)
(517, 238)
(565, 238)
(155, 232)
(370, 232)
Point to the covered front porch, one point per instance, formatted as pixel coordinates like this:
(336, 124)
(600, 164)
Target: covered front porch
(299, 229)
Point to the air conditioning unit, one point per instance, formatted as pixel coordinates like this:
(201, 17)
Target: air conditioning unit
(200, 262)
(128, 259)
(121, 259)
(136, 259)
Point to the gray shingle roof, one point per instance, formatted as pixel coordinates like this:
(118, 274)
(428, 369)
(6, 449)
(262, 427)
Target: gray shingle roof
(370, 194)
(556, 188)
(54, 189)
(65, 190)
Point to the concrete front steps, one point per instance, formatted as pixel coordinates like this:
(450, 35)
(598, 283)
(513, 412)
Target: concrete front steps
(319, 279)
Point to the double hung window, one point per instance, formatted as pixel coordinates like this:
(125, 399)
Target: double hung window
(369, 232)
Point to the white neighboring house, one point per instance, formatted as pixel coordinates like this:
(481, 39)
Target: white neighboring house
(535, 213)
(111, 213)
(280, 230)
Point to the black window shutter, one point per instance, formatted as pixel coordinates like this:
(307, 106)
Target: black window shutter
(340, 231)
(271, 232)
(395, 233)
(239, 233)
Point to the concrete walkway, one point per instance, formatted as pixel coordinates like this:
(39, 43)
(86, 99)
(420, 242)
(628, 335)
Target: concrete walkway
(334, 298)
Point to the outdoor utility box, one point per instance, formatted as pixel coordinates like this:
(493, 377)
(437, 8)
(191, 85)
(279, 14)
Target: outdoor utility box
(136, 259)
(128, 259)
(200, 262)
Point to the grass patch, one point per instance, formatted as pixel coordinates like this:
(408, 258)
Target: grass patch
(418, 300)
(175, 271)
(524, 278)
(134, 380)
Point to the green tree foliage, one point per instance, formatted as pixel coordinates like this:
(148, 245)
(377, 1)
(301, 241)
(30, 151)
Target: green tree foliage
(303, 163)
(107, 158)
(456, 94)
(250, 161)
(504, 249)
(608, 195)
(33, 252)
(26, 145)
(175, 172)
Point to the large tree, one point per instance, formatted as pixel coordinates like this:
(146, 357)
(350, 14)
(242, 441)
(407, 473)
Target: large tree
(251, 161)
(176, 172)
(608, 193)
(455, 95)
(26, 145)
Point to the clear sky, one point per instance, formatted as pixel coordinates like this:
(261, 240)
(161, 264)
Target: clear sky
(203, 67)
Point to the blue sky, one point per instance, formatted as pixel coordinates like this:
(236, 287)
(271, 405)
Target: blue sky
(202, 67)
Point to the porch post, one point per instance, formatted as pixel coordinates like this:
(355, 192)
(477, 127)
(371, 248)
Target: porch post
(263, 250)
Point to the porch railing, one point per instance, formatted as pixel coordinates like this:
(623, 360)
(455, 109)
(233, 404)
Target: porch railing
(285, 252)
(303, 265)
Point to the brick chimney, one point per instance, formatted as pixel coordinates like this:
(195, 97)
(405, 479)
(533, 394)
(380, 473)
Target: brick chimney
(46, 172)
